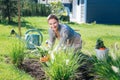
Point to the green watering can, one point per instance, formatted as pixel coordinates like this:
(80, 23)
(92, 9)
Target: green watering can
(33, 38)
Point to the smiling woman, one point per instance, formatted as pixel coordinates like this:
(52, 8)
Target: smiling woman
(66, 35)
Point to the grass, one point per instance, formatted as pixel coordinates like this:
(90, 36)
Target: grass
(108, 69)
(63, 66)
(10, 72)
(89, 32)
(18, 53)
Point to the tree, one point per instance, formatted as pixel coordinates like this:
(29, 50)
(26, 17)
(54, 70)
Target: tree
(59, 9)
(8, 9)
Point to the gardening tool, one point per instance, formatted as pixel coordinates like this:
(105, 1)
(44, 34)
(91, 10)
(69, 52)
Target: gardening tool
(32, 39)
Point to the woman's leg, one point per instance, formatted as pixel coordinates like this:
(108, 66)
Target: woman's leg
(77, 43)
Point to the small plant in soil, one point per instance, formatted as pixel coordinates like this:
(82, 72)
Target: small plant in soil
(63, 66)
(17, 54)
(100, 44)
(43, 51)
(44, 56)
(101, 50)
(108, 69)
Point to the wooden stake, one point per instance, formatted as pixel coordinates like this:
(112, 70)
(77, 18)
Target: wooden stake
(19, 22)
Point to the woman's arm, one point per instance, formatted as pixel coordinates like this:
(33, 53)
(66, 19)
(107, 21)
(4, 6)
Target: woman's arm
(51, 38)
(63, 39)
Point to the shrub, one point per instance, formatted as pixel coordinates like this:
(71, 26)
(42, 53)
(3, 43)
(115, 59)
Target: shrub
(35, 9)
(108, 69)
(43, 51)
(63, 66)
(17, 54)
(59, 9)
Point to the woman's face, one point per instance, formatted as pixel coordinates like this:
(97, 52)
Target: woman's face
(53, 23)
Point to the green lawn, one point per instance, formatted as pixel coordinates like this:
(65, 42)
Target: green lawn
(89, 32)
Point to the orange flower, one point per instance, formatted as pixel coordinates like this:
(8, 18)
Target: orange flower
(44, 59)
(101, 48)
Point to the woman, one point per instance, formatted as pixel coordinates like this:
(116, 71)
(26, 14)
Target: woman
(67, 36)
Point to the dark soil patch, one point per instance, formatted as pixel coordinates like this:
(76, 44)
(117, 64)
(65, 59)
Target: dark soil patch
(84, 73)
(34, 68)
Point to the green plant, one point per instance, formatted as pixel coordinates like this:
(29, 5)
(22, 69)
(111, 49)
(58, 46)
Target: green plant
(43, 51)
(99, 44)
(63, 66)
(56, 7)
(108, 69)
(44, 56)
(8, 10)
(59, 9)
(17, 54)
(30, 8)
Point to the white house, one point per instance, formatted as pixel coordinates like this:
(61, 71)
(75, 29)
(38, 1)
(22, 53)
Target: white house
(87, 11)
(99, 11)
(78, 13)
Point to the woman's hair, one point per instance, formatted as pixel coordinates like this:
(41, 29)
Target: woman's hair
(52, 16)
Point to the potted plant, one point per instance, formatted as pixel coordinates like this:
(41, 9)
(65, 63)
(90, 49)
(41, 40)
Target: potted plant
(44, 56)
(101, 50)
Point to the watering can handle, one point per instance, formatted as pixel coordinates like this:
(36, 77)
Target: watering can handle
(35, 30)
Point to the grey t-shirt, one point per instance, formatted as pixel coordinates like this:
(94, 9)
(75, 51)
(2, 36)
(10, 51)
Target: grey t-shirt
(67, 35)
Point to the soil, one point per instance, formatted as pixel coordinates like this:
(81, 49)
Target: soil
(33, 67)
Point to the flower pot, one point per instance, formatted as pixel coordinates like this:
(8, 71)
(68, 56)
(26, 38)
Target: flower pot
(102, 54)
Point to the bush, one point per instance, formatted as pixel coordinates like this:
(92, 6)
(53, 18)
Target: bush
(108, 69)
(17, 54)
(35, 9)
(63, 65)
(59, 9)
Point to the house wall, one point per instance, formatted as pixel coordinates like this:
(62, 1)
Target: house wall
(75, 15)
(74, 9)
(78, 11)
(103, 11)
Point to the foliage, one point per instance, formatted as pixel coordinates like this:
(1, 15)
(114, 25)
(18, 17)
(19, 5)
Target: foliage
(65, 18)
(10, 72)
(17, 54)
(43, 51)
(59, 9)
(8, 10)
(56, 7)
(99, 44)
(108, 69)
(31, 8)
(63, 66)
